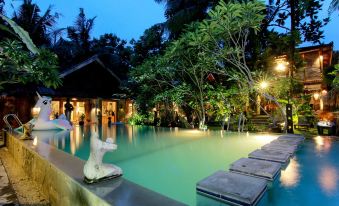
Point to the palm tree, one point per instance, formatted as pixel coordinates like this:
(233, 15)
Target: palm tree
(181, 12)
(2, 4)
(38, 26)
(79, 33)
(334, 6)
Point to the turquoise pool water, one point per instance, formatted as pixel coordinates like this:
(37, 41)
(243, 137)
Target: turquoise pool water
(168, 161)
(171, 161)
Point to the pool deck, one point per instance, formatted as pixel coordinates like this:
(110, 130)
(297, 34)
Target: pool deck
(7, 194)
(61, 176)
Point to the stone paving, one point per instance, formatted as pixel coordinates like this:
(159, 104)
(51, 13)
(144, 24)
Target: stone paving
(26, 190)
(7, 193)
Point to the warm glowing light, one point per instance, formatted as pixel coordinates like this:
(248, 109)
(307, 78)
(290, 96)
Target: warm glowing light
(319, 140)
(35, 111)
(264, 139)
(35, 141)
(195, 131)
(74, 99)
(316, 96)
(324, 92)
(328, 179)
(291, 175)
(263, 85)
(322, 145)
(321, 57)
(281, 67)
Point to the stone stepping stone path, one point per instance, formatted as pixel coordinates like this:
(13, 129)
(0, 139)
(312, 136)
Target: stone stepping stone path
(287, 142)
(280, 147)
(270, 155)
(257, 168)
(246, 182)
(233, 188)
(292, 138)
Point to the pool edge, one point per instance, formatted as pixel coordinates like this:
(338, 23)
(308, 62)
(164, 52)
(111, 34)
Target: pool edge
(60, 176)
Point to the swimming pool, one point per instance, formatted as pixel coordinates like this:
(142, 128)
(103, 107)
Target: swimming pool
(172, 161)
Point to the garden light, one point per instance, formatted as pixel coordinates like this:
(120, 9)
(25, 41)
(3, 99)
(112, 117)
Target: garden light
(263, 85)
(281, 67)
(324, 92)
(316, 96)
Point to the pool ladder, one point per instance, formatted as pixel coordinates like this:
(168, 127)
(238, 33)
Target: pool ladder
(16, 119)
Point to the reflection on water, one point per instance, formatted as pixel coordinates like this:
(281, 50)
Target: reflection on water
(328, 177)
(322, 144)
(35, 141)
(291, 175)
(264, 138)
(160, 158)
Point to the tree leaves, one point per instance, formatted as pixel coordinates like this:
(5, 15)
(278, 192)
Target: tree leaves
(24, 36)
(215, 45)
(18, 65)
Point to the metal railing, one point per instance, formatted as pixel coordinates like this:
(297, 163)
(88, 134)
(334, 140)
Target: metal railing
(16, 119)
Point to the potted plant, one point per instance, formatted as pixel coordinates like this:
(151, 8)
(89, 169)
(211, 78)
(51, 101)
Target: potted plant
(81, 119)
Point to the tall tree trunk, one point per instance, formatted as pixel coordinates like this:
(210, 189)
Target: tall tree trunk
(292, 46)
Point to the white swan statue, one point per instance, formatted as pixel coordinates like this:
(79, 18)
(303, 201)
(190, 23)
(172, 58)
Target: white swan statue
(42, 122)
(94, 170)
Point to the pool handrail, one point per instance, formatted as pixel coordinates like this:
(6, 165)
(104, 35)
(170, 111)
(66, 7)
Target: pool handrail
(5, 118)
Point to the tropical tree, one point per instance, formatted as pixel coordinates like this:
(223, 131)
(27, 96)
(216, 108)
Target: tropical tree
(215, 45)
(2, 4)
(150, 44)
(300, 19)
(40, 26)
(192, 67)
(334, 6)
(79, 33)
(115, 51)
(19, 64)
(225, 36)
(180, 13)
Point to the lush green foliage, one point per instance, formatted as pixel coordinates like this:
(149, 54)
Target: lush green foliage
(215, 45)
(301, 18)
(335, 73)
(150, 44)
(141, 119)
(23, 35)
(19, 66)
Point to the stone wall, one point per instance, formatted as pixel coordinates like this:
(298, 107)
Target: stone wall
(58, 173)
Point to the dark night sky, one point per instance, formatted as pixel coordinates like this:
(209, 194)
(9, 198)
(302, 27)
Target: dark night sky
(129, 18)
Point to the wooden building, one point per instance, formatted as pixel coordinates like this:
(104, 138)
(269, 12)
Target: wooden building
(88, 85)
(316, 59)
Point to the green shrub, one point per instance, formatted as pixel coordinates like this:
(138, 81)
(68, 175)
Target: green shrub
(137, 119)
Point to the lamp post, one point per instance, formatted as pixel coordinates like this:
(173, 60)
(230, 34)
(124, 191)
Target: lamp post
(282, 65)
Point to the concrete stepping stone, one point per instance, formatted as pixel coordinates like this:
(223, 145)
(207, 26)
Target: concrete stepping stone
(287, 142)
(257, 168)
(280, 147)
(292, 137)
(233, 188)
(270, 155)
